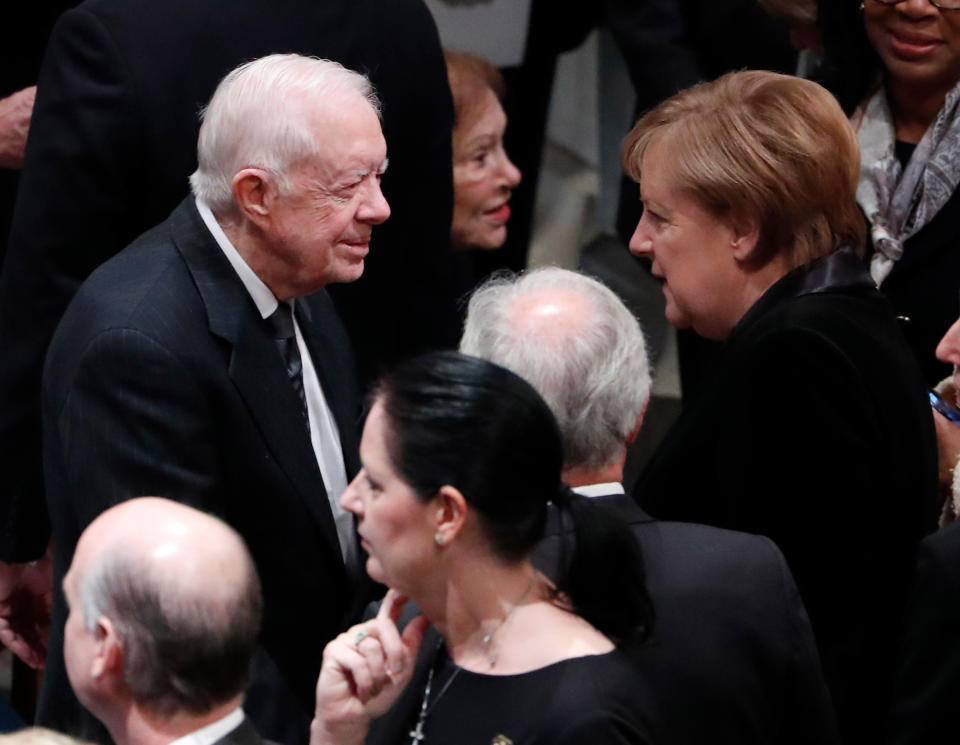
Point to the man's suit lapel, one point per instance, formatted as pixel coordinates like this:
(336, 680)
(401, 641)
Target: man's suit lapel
(254, 364)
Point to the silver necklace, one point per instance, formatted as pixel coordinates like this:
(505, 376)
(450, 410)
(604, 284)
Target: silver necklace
(416, 734)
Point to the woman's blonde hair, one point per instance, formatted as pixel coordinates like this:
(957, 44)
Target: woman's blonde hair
(766, 146)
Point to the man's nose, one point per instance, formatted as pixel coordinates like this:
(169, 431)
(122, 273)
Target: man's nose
(375, 208)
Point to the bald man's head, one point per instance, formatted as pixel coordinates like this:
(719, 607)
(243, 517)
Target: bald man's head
(179, 591)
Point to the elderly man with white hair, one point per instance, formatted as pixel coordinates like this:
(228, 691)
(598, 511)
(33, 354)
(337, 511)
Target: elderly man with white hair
(732, 657)
(206, 364)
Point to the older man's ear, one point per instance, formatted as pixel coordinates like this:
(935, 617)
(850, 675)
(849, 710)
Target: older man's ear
(254, 192)
(108, 655)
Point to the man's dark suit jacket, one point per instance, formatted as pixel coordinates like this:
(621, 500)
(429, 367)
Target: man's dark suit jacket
(163, 380)
(244, 734)
(928, 686)
(114, 138)
(813, 429)
(732, 657)
(23, 49)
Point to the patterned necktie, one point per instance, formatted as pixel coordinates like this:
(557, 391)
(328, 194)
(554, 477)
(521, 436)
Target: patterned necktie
(281, 328)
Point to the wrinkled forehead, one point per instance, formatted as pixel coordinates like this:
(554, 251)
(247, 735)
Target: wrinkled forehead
(347, 140)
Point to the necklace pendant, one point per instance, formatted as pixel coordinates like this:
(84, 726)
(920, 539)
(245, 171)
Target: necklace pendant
(417, 735)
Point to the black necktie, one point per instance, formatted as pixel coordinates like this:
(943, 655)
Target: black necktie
(281, 328)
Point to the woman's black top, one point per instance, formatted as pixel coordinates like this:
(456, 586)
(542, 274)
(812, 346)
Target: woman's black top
(596, 699)
(813, 429)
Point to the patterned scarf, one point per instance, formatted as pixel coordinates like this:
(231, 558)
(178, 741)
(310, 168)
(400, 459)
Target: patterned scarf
(897, 204)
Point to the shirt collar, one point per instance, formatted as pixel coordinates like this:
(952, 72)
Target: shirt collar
(214, 731)
(258, 290)
(606, 489)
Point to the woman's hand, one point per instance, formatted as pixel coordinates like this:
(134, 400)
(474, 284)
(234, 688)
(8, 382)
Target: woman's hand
(364, 670)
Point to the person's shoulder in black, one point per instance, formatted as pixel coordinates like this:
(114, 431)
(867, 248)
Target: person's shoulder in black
(928, 685)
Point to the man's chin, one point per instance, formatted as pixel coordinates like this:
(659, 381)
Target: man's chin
(351, 272)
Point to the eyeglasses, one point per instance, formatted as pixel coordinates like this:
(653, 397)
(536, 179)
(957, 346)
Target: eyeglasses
(941, 4)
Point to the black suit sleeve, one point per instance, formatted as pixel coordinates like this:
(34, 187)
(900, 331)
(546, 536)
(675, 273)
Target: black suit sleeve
(807, 715)
(74, 206)
(126, 430)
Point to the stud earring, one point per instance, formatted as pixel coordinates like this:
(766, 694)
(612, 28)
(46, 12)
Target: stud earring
(438, 539)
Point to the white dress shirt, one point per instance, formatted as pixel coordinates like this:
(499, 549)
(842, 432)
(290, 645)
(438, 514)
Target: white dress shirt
(213, 731)
(606, 489)
(324, 434)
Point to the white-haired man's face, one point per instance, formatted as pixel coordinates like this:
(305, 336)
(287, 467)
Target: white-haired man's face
(320, 228)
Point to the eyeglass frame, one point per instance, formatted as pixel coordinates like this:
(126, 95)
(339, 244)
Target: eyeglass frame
(935, 3)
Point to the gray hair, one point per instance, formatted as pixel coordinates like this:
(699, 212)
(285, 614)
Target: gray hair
(185, 647)
(594, 374)
(259, 116)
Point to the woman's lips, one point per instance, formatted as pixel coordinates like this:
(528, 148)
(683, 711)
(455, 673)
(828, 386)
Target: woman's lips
(500, 214)
(913, 46)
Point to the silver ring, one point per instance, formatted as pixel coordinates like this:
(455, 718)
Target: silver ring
(361, 635)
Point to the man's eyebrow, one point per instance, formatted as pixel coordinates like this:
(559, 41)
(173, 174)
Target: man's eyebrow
(353, 177)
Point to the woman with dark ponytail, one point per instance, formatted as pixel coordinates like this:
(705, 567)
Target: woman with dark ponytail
(460, 460)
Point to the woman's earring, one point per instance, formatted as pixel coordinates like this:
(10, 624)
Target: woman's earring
(861, 6)
(438, 539)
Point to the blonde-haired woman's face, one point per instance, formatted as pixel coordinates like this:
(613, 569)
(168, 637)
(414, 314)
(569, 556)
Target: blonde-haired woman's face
(692, 252)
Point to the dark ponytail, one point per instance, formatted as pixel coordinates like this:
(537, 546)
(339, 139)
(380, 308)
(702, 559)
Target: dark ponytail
(601, 572)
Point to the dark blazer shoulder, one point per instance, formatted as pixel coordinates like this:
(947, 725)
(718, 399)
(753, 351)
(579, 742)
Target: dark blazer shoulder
(148, 287)
(928, 681)
(243, 734)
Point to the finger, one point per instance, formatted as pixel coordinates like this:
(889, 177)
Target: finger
(393, 649)
(372, 651)
(411, 640)
(341, 654)
(30, 654)
(392, 605)
(413, 634)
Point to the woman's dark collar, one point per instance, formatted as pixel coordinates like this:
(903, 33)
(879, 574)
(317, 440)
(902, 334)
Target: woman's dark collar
(841, 270)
